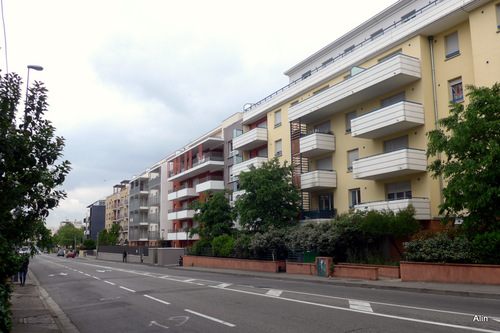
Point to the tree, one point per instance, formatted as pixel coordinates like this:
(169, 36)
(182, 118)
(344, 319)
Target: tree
(30, 172)
(214, 215)
(109, 237)
(68, 235)
(270, 198)
(470, 143)
(89, 244)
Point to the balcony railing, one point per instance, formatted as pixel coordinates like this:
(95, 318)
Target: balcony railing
(209, 162)
(391, 164)
(154, 200)
(245, 165)
(154, 182)
(317, 143)
(318, 180)
(318, 214)
(388, 120)
(421, 205)
(251, 139)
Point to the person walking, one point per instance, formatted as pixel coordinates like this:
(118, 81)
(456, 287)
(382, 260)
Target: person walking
(124, 256)
(24, 269)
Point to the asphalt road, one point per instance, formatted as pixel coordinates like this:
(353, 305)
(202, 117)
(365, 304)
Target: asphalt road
(101, 296)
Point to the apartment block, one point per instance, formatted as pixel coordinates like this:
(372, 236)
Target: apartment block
(117, 210)
(354, 117)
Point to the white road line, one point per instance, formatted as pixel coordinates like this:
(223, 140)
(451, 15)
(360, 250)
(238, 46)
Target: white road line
(133, 291)
(223, 285)
(157, 299)
(360, 305)
(369, 313)
(274, 292)
(211, 318)
(87, 274)
(111, 283)
(95, 277)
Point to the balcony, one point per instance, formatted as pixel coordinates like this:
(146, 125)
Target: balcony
(245, 165)
(182, 193)
(154, 200)
(422, 206)
(318, 180)
(388, 120)
(155, 182)
(317, 144)
(211, 183)
(374, 81)
(315, 214)
(392, 164)
(180, 234)
(154, 217)
(180, 214)
(138, 205)
(210, 162)
(142, 189)
(251, 139)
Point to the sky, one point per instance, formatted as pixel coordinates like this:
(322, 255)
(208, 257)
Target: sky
(132, 81)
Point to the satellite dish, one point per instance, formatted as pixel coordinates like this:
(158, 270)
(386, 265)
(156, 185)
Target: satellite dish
(247, 106)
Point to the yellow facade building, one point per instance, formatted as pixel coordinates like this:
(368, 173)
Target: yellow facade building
(354, 118)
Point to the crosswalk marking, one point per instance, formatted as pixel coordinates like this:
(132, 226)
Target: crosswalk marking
(360, 305)
(274, 292)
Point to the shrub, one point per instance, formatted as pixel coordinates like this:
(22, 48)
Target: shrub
(262, 244)
(223, 246)
(5, 320)
(487, 248)
(242, 247)
(199, 248)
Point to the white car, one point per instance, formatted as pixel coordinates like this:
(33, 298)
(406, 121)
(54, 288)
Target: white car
(25, 250)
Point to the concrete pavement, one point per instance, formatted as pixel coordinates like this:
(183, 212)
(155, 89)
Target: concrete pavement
(34, 311)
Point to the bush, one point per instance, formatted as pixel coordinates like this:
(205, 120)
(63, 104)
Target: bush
(89, 244)
(5, 320)
(200, 248)
(487, 248)
(262, 244)
(242, 247)
(223, 246)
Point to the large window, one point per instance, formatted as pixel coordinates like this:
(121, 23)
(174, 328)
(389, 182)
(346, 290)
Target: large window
(323, 127)
(325, 201)
(399, 190)
(348, 118)
(324, 163)
(452, 45)
(352, 155)
(456, 90)
(354, 197)
(397, 143)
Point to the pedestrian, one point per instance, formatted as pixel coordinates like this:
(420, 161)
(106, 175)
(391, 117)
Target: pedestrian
(24, 269)
(124, 256)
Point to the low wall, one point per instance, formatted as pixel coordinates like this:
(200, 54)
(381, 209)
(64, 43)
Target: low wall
(454, 273)
(242, 264)
(356, 272)
(301, 268)
(383, 270)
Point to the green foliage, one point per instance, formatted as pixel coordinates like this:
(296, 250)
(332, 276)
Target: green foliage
(270, 198)
(441, 247)
(487, 248)
(29, 175)
(89, 244)
(242, 247)
(68, 235)
(469, 141)
(262, 244)
(222, 246)
(214, 215)
(200, 248)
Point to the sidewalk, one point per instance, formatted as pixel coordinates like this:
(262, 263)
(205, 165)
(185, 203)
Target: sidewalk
(34, 311)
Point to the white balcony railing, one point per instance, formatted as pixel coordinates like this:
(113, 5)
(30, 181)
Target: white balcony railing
(317, 144)
(374, 81)
(251, 139)
(422, 206)
(210, 185)
(392, 164)
(388, 120)
(244, 166)
(318, 180)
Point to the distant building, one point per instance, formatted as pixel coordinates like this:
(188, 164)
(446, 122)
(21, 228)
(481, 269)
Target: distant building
(94, 223)
(117, 209)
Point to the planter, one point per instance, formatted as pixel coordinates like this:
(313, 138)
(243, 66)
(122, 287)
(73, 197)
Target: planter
(230, 263)
(454, 273)
(383, 270)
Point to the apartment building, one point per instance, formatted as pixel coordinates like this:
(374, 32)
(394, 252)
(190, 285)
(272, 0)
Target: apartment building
(95, 219)
(354, 118)
(117, 209)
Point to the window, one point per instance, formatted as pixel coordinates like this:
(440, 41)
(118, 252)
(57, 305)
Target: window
(452, 45)
(294, 103)
(352, 155)
(348, 118)
(262, 124)
(397, 143)
(306, 75)
(349, 49)
(277, 118)
(377, 33)
(325, 201)
(354, 197)
(409, 16)
(498, 16)
(278, 148)
(323, 127)
(320, 90)
(456, 90)
(399, 190)
(324, 164)
(230, 148)
(393, 99)
(327, 62)
(262, 153)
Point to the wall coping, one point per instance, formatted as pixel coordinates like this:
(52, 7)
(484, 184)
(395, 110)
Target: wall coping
(447, 264)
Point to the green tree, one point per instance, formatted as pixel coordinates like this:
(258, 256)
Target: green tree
(469, 139)
(270, 198)
(390, 225)
(214, 215)
(114, 234)
(30, 171)
(68, 235)
(89, 244)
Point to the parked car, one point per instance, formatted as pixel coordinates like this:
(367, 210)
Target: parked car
(60, 253)
(70, 254)
(25, 250)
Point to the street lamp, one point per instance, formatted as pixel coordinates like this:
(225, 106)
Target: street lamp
(35, 67)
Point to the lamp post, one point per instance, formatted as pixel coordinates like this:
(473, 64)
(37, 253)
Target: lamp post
(35, 67)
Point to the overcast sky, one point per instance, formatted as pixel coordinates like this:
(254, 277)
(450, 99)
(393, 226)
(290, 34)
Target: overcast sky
(132, 81)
